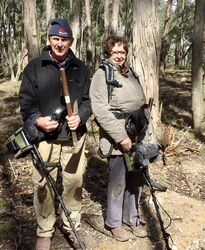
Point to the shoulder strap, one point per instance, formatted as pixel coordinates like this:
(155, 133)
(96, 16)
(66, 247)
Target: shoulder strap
(135, 75)
(109, 76)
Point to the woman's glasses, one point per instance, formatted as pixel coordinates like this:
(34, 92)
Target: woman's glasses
(117, 52)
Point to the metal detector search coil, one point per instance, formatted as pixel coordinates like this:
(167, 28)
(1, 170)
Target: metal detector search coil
(18, 144)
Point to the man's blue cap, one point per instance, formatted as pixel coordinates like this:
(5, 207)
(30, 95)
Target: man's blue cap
(60, 27)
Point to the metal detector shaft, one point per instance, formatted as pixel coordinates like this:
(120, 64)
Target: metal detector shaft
(42, 169)
(165, 234)
(67, 101)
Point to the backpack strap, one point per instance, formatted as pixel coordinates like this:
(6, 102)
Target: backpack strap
(109, 76)
(135, 75)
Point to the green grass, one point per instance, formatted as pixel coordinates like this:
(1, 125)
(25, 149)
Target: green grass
(3, 203)
(4, 228)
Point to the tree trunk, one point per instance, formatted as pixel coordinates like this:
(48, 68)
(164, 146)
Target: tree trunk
(197, 70)
(31, 34)
(89, 48)
(21, 62)
(115, 16)
(145, 55)
(50, 12)
(167, 24)
(180, 38)
(75, 25)
(106, 17)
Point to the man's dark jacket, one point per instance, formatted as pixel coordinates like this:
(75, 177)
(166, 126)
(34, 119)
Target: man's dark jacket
(41, 92)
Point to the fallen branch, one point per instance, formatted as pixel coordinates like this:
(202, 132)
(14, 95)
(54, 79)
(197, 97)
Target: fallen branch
(10, 164)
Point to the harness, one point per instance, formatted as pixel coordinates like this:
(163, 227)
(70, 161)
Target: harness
(110, 77)
(135, 122)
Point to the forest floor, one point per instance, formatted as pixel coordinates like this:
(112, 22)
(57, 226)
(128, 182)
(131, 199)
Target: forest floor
(181, 170)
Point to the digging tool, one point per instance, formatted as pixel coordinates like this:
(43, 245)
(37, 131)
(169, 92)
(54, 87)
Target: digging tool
(68, 103)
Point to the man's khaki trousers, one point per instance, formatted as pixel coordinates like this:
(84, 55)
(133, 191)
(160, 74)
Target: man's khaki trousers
(73, 168)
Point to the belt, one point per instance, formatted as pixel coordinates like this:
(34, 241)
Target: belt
(120, 114)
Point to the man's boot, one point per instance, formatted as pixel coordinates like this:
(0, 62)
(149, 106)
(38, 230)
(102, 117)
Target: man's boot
(43, 243)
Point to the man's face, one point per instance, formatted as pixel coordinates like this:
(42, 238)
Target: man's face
(118, 54)
(60, 46)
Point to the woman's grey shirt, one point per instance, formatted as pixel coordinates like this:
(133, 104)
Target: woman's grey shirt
(127, 98)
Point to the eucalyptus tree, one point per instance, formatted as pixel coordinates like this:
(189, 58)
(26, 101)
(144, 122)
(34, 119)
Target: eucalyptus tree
(198, 95)
(180, 35)
(115, 16)
(12, 46)
(145, 52)
(126, 17)
(165, 34)
(98, 30)
(50, 10)
(89, 47)
(50, 13)
(31, 32)
(106, 17)
(75, 22)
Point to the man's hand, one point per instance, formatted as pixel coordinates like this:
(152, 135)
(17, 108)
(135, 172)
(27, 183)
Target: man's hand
(126, 144)
(73, 122)
(46, 124)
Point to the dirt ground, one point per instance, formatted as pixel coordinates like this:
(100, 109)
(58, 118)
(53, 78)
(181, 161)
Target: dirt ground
(181, 209)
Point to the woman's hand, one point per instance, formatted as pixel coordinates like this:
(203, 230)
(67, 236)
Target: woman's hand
(46, 124)
(73, 121)
(126, 144)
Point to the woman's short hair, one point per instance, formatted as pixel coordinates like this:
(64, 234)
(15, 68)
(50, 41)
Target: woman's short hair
(110, 42)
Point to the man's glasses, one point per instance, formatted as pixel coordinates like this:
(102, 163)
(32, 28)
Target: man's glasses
(117, 52)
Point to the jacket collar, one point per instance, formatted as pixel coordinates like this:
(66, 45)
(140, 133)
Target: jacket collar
(46, 57)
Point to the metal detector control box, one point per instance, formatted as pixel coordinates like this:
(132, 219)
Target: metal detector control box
(18, 144)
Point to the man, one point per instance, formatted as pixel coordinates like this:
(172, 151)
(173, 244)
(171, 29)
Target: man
(40, 96)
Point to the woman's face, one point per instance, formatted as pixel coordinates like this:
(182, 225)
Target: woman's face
(118, 54)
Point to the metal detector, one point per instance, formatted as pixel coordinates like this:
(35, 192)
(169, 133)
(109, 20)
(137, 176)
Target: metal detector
(20, 146)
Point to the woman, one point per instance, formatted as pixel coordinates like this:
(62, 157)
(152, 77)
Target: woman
(110, 104)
